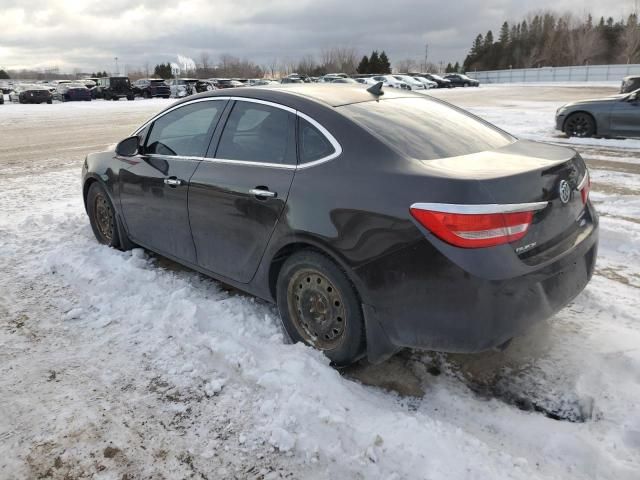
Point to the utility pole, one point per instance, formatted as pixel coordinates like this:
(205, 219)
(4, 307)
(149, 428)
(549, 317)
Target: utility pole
(117, 69)
(426, 56)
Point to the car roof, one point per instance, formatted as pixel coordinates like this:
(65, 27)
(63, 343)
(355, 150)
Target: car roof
(333, 95)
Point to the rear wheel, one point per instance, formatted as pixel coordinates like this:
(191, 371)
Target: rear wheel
(319, 306)
(580, 124)
(102, 216)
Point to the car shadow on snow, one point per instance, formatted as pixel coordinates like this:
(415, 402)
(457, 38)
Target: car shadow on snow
(519, 376)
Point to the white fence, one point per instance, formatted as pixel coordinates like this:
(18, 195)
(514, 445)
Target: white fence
(582, 73)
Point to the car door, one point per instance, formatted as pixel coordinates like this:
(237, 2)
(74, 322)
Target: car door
(625, 118)
(239, 191)
(154, 185)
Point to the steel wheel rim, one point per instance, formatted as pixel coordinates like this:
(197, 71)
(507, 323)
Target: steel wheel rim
(579, 126)
(317, 309)
(104, 217)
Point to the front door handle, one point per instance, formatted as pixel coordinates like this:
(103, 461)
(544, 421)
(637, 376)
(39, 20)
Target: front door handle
(172, 181)
(262, 192)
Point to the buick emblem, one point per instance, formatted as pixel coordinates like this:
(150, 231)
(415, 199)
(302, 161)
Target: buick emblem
(565, 191)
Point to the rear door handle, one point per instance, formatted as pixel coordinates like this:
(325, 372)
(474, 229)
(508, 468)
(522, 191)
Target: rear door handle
(172, 181)
(259, 192)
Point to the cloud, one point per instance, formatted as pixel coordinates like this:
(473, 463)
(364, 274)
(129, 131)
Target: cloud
(88, 34)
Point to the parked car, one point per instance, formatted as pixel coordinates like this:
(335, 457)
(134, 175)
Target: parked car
(265, 82)
(616, 116)
(412, 82)
(457, 238)
(291, 80)
(227, 83)
(182, 87)
(5, 88)
(150, 88)
(114, 88)
(388, 81)
(629, 84)
(71, 92)
(344, 80)
(1, 98)
(429, 84)
(205, 86)
(25, 93)
(440, 81)
(461, 80)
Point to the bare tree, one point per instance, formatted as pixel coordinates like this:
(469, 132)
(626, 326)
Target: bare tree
(205, 63)
(584, 43)
(406, 65)
(631, 41)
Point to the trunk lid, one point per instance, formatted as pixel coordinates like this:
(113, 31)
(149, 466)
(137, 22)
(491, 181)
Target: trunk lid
(526, 172)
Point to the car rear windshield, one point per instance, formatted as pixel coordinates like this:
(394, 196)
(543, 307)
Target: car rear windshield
(426, 129)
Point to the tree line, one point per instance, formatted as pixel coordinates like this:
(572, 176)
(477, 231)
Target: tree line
(549, 40)
(379, 64)
(331, 60)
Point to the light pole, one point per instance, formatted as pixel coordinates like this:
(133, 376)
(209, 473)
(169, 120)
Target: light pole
(117, 69)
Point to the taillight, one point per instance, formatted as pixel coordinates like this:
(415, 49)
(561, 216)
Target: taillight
(476, 230)
(585, 187)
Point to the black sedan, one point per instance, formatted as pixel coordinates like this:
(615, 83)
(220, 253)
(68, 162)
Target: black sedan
(615, 116)
(150, 88)
(461, 80)
(442, 82)
(72, 92)
(31, 94)
(375, 219)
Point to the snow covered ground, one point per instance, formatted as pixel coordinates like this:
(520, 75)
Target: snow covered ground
(124, 365)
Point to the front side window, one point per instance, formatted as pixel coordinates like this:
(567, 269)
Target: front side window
(258, 133)
(184, 131)
(313, 144)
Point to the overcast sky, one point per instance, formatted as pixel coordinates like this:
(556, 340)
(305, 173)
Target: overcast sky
(88, 34)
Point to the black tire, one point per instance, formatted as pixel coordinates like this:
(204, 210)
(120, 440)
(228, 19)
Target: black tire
(146, 94)
(49, 102)
(333, 322)
(130, 97)
(102, 216)
(465, 84)
(580, 124)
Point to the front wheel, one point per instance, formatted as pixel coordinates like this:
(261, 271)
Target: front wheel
(580, 124)
(319, 306)
(102, 216)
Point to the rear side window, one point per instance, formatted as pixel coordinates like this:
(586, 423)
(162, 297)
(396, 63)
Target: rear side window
(425, 129)
(184, 131)
(313, 144)
(258, 133)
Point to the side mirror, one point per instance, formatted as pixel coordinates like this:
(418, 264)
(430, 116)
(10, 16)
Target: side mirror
(128, 147)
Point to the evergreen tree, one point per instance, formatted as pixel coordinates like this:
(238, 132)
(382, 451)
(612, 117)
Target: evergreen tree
(363, 67)
(449, 68)
(374, 63)
(456, 68)
(385, 64)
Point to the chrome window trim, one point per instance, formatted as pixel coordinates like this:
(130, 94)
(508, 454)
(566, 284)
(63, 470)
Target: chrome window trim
(164, 112)
(479, 209)
(334, 143)
(249, 163)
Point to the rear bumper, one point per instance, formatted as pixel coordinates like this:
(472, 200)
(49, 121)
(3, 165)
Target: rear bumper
(424, 300)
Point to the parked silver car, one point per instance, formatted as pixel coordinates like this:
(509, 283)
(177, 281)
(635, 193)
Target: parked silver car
(616, 116)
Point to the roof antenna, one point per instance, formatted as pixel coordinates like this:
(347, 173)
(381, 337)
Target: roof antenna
(376, 89)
